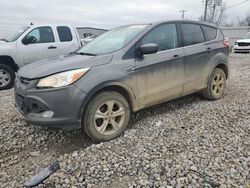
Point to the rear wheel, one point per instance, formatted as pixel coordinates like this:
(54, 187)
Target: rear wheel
(216, 85)
(7, 77)
(106, 116)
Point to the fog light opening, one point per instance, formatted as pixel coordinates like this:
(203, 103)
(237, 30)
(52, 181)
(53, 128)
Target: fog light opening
(44, 114)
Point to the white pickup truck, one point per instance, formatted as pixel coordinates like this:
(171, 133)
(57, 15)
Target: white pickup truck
(33, 43)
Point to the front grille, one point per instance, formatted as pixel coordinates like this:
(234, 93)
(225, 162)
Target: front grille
(30, 105)
(243, 44)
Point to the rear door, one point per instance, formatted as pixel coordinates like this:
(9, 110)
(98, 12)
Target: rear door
(67, 39)
(160, 75)
(213, 46)
(43, 46)
(195, 59)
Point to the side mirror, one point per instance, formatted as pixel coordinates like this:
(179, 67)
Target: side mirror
(149, 48)
(29, 40)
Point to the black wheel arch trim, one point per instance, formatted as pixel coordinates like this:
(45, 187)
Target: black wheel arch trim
(115, 84)
(217, 65)
(9, 61)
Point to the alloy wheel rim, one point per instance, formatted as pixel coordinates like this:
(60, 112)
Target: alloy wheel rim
(218, 84)
(4, 78)
(109, 117)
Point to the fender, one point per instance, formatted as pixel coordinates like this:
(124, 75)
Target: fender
(115, 84)
(219, 60)
(8, 52)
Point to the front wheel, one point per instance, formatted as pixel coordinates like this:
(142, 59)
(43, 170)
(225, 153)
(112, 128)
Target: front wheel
(7, 77)
(106, 116)
(216, 85)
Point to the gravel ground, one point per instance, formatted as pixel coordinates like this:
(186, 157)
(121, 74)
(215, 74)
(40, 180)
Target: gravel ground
(189, 142)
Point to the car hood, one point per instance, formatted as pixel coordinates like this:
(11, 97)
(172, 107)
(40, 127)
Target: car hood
(5, 46)
(63, 63)
(243, 40)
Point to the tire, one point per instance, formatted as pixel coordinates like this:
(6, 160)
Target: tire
(216, 85)
(106, 116)
(7, 77)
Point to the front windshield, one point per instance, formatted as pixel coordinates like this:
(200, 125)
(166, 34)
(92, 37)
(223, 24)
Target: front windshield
(112, 40)
(16, 34)
(247, 35)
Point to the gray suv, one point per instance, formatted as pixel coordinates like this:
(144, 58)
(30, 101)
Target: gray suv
(122, 71)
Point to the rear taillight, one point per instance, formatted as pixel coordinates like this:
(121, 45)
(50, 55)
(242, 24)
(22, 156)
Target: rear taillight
(226, 43)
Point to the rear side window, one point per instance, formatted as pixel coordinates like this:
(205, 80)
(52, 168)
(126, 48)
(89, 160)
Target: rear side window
(64, 34)
(210, 32)
(192, 34)
(165, 36)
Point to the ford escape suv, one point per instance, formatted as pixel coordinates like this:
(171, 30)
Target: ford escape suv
(122, 71)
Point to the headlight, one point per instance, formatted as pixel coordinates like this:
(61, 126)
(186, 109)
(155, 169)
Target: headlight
(62, 79)
(236, 43)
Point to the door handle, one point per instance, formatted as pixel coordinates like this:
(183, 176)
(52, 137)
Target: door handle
(176, 57)
(52, 47)
(209, 49)
(131, 69)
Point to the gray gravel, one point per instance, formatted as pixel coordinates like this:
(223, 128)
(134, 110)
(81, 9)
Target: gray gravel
(189, 142)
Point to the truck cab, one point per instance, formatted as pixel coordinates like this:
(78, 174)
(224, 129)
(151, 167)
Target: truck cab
(33, 43)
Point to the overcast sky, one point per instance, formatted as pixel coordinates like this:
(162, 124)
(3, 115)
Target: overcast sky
(102, 13)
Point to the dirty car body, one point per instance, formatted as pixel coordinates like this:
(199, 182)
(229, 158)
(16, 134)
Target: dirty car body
(177, 68)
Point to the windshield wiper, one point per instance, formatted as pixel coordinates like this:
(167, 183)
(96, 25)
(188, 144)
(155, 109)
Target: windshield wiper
(85, 53)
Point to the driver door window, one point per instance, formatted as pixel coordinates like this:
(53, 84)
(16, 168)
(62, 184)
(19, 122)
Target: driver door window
(165, 36)
(41, 35)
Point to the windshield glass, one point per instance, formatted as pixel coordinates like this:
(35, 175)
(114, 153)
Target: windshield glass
(112, 40)
(247, 35)
(17, 34)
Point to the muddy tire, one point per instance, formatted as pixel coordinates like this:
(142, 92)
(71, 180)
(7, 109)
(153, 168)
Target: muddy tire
(106, 116)
(216, 85)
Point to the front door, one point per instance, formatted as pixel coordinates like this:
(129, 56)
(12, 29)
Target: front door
(42, 45)
(160, 75)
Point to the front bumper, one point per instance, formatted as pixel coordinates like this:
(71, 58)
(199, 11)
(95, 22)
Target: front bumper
(57, 108)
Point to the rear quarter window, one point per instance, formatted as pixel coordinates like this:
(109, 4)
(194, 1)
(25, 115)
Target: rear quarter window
(64, 34)
(220, 35)
(211, 32)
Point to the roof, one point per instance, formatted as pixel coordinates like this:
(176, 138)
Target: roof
(166, 21)
(62, 24)
(49, 24)
(186, 21)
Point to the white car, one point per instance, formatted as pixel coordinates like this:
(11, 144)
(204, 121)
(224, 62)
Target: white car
(243, 45)
(33, 43)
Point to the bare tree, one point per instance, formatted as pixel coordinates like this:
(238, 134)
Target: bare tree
(243, 22)
(240, 22)
(221, 18)
(247, 20)
(215, 14)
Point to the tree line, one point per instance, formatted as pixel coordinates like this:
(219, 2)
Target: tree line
(217, 15)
